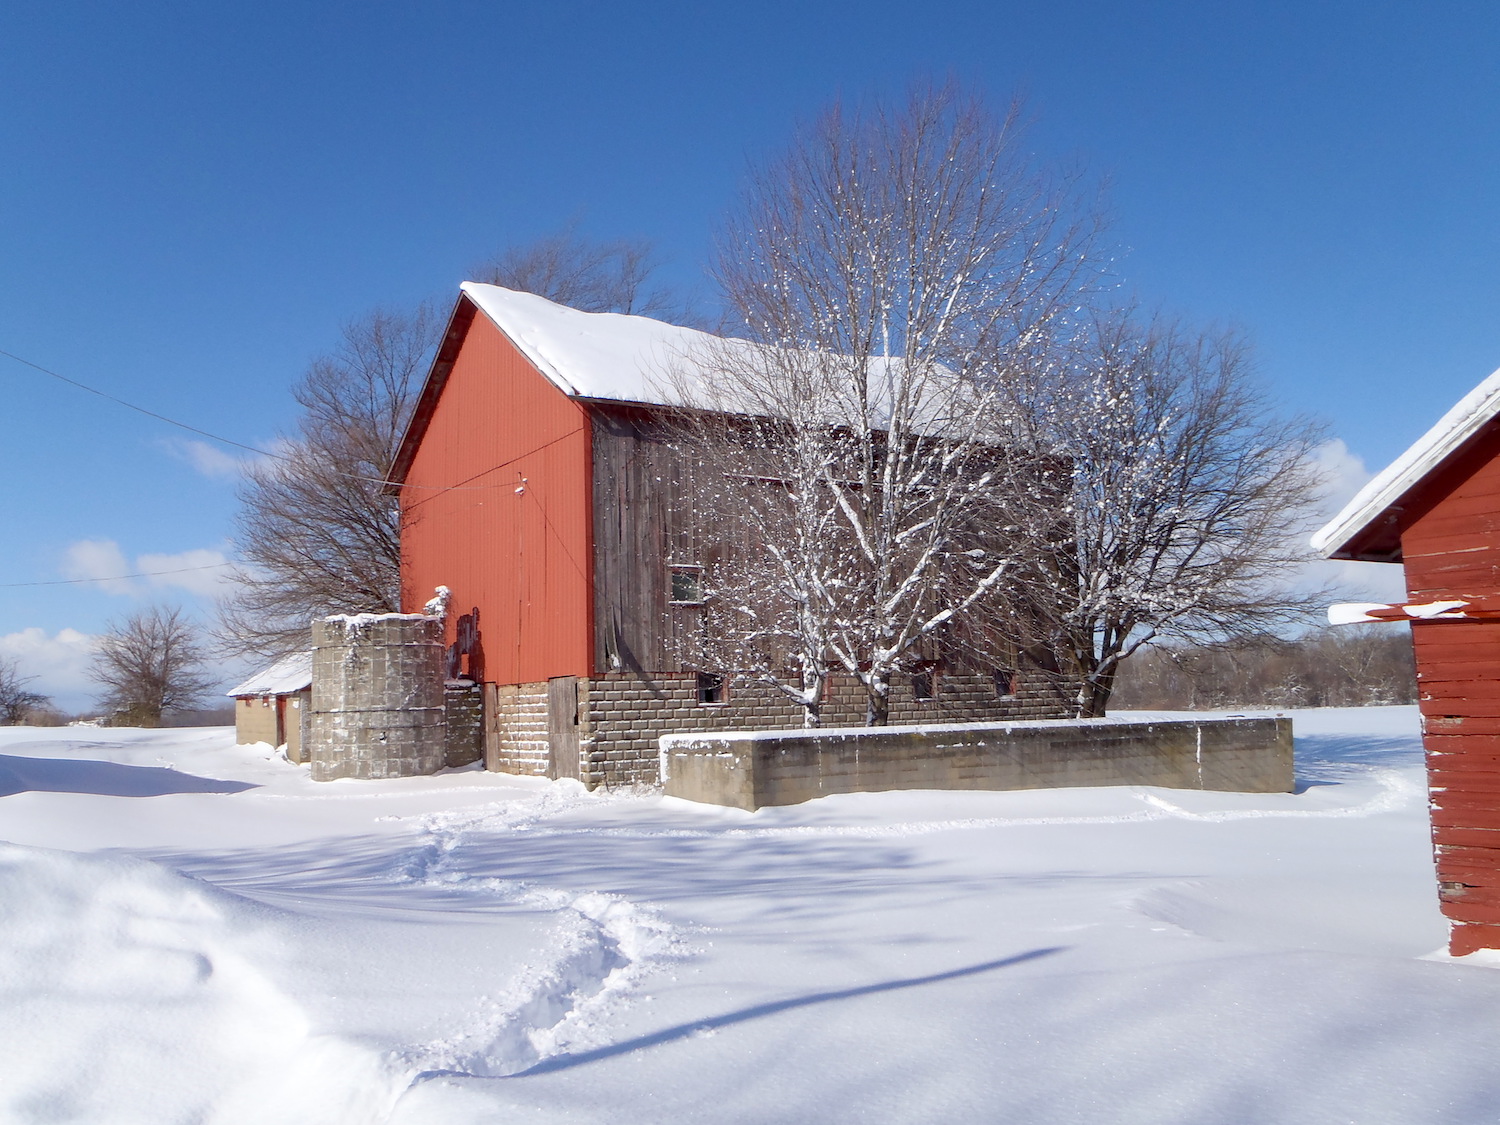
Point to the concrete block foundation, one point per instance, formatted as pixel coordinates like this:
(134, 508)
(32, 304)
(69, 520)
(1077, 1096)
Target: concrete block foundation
(622, 715)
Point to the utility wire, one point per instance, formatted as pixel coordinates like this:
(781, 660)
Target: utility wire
(116, 578)
(137, 409)
(268, 453)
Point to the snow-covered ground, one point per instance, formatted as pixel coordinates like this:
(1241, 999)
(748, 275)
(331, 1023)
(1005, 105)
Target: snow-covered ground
(193, 932)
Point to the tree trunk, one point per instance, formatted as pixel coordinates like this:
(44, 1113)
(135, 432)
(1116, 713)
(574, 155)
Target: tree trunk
(877, 702)
(1094, 690)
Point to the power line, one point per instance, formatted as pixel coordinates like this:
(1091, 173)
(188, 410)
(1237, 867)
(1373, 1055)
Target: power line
(436, 488)
(116, 578)
(137, 409)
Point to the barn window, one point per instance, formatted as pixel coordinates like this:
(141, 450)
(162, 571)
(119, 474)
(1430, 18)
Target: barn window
(710, 688)
(924, 683)
(686, 585)
(1005, 682)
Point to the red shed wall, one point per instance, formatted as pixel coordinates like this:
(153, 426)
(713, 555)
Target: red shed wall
(521, 557)
(1452, 550)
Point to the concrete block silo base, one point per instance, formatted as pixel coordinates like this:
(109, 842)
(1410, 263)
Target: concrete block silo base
(377, 696)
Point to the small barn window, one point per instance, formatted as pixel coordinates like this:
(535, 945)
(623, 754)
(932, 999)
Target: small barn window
(1005, 682)
(686, 585)
(924, 683)
(710, 688)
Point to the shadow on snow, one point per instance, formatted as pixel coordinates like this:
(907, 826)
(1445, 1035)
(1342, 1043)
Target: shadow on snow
(103, 779)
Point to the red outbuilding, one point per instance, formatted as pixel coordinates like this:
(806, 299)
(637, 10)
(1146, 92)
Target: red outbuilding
(539, 485)
(1436, 511)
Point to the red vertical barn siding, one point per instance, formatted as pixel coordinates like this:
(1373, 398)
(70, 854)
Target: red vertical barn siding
(1451, 549)
(521, 557)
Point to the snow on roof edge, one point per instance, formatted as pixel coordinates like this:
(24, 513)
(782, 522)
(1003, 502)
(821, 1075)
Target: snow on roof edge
(617, 357)
(1425, 454)
(289, 674)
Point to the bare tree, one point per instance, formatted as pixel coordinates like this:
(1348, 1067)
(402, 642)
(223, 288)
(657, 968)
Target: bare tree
(1183, 493)
(610, 276)
(318, 532)
(151, 662)
(886, 270)
(17, 702)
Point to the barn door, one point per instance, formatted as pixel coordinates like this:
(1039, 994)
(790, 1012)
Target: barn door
(562, 727)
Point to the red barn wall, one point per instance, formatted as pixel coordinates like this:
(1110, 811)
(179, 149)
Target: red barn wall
(1452, 550)
(523, 558)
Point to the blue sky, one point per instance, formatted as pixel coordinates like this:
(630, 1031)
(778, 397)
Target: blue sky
(194, 197)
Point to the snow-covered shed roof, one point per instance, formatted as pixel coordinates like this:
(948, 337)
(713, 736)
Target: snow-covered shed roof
(1367, 527)
(289, 674)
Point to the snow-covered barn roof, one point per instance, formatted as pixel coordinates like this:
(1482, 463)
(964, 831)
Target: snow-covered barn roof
(604, 356)
(608, 356)
(289, 674)
(1366, 528)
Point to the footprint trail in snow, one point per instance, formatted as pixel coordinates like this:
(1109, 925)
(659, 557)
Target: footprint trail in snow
(602, 947)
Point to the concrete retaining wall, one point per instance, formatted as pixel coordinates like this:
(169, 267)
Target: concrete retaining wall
(752, 770)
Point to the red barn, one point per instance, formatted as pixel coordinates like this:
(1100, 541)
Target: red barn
(538, 485)
(1436, 511)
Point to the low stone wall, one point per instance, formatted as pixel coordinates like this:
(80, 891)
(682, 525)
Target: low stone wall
(515, 728)
(752, 770)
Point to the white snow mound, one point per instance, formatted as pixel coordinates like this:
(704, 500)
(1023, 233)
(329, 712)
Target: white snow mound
(131, 997)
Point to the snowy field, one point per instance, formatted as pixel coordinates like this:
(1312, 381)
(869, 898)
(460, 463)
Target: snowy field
(193, 932)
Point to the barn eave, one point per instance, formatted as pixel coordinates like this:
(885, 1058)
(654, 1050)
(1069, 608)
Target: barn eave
(1369, 527)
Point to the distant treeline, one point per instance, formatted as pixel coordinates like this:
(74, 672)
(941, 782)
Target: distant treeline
(1351, 666)
(46, 715)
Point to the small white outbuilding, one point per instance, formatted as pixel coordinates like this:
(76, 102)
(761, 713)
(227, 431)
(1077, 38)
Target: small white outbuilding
(272, 706)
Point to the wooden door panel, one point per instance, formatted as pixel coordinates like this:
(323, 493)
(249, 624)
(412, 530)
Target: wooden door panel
(562, 727)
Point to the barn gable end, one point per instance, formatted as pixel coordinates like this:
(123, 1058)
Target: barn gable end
(495, 506)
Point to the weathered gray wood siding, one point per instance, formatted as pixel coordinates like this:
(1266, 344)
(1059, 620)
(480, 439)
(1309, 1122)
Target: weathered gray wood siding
(644, 522)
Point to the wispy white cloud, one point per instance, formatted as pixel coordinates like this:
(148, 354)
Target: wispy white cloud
(199, 571)
(1345, 473)
(58, 664)
(212, 461)
(202, 571)
(102, 561)
(218, 462)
